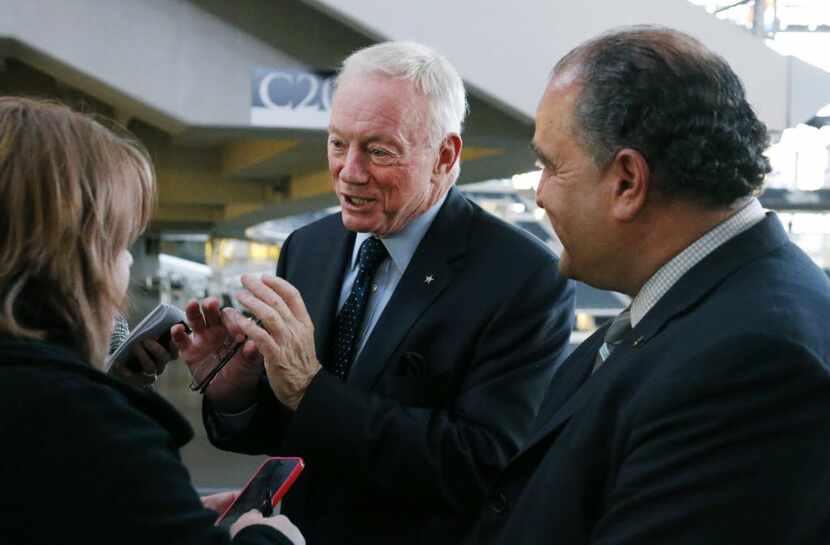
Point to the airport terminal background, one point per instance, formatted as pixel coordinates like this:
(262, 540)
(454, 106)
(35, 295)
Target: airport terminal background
(231, 100)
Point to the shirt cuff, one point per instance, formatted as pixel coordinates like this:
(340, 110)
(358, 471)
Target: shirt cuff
(234, 423)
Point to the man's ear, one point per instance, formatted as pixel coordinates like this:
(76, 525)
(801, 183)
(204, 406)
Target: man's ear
(631, 177)
(449, 153)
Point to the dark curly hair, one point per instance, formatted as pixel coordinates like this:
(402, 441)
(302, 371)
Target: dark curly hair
(664, 94)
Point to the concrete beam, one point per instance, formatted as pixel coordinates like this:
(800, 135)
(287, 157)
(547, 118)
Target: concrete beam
(170, 62)
(178, 185)
(508, 54)
(244, 154)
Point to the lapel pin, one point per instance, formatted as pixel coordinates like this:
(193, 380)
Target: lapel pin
(428, 280)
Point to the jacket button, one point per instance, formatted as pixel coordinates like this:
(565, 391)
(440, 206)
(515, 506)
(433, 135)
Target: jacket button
(499, 503)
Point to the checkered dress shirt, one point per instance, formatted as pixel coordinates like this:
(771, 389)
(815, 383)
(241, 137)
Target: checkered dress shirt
(661, 281)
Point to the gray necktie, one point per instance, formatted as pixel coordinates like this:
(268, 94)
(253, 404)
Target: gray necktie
(613, 337)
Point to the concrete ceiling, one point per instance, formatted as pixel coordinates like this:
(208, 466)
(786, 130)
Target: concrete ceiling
(178, 75)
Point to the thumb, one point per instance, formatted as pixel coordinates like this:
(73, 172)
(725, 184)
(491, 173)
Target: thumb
(248, 519)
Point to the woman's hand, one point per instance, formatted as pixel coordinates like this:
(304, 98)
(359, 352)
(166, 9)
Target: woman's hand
(278, 522)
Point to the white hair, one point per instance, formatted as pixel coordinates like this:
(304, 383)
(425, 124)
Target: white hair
(430, 72)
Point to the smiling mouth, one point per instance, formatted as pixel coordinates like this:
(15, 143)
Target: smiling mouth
(357, 201)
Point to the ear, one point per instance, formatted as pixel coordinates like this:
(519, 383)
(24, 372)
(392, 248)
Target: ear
(631, 177)
(449, 153)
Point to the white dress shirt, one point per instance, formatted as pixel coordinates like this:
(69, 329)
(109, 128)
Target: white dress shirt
(401, 247)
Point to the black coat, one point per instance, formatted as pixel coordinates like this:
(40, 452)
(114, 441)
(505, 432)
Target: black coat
(709, 424)
(442, 395)
(89, 460)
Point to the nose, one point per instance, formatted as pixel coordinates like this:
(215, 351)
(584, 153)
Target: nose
(354, 169)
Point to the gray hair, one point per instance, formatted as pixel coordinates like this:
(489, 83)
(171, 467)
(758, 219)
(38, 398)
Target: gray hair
(430, 72)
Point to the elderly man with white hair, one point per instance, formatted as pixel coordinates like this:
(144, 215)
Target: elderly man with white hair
(406, 343)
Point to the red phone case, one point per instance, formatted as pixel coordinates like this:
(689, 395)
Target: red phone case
(299, 464)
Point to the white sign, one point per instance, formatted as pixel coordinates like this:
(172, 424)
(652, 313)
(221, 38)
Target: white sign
(291, 98)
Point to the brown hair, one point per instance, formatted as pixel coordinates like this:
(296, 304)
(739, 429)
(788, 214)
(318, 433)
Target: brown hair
(73, 195)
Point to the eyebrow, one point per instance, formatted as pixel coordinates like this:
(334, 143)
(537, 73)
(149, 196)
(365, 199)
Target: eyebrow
(371, 138)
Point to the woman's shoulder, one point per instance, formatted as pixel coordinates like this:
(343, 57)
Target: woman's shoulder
(107, 448)
(47, 383)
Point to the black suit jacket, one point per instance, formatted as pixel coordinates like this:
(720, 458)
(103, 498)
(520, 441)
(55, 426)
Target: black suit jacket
(709, 424)
(87, 459)
(442, 395)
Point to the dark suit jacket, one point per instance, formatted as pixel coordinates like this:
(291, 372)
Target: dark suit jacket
(441, 397)
(87, 459)
(710, 424)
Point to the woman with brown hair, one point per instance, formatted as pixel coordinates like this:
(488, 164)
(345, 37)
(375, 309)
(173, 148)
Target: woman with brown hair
(86, 458)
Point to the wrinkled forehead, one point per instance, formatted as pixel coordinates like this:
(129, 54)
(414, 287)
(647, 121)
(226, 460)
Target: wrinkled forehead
(374, 87)
(378, 102)
(557, 106)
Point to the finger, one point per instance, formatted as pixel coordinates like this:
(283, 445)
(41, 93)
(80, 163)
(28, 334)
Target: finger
(146, 364)
(251, 517)
(136, 378)
(267, 296)
(158, 354)
(195, 320)
(180, 338)
(211, 309)
(219, 502)
(250, 352)
(290, 295)
(271, 319)
(260, 337)
(231, 319)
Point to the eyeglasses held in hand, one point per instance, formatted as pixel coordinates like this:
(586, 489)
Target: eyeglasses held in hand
(202, 385)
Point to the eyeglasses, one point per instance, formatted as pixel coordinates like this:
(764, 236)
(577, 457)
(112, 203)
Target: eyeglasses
(225, 358)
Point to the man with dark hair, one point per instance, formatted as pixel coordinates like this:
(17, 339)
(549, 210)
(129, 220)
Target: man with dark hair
(701, 414)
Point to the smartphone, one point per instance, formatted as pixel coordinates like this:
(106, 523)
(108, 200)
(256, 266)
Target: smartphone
(264, 489)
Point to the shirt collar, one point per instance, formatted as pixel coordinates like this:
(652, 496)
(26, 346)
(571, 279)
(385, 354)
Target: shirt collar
(665, 277)
(402, 245)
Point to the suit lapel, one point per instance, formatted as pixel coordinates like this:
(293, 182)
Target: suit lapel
(321, 300)
(571, 388)
(427, 275)
(568, 389)
(706, 276)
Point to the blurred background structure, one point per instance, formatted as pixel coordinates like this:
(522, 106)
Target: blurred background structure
(232, 100)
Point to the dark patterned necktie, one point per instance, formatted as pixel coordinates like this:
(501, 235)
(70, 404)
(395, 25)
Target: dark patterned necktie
(349, 320)
(613, 337)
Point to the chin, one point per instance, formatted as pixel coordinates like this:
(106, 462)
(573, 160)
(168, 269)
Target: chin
(358, 224)
(565, 266)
